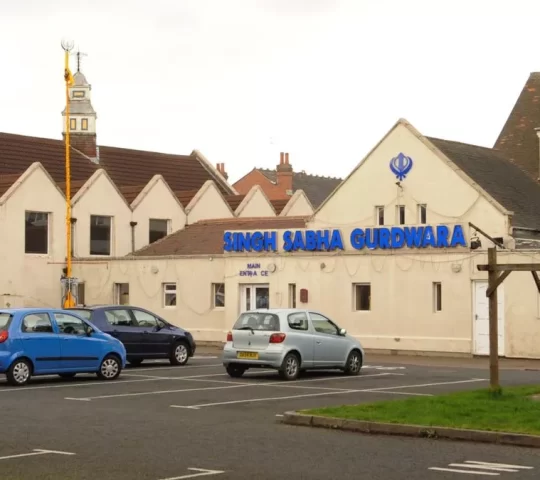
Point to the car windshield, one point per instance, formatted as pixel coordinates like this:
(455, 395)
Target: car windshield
(5, 319)
(86, 314)
(268, 322)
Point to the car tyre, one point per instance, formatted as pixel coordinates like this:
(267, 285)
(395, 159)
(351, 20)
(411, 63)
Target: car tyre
(19, 372)
(235, 371)
(290, 368)
(354, 363)
(109, 368)
(179, 354)
(67, 376)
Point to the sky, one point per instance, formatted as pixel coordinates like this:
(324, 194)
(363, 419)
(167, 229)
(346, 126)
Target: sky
(242, 80)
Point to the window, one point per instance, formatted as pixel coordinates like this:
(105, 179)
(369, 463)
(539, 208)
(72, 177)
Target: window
(73, 124)
(144, 319)
(100, 235)
(437, 296)
(70, 325)
(362, 296)
(120, 318)
(80, 294)
(158, 229)
(267, 322)
(292, 295)
(37, 323)
(218, 291)
(298, 321)
(321, 324)
(84, 124)
(379, 215)
(401, 214)
(36, 232)
(86, 314)
(121, 293)
(78, 94)
(169, 294)
(422, 214)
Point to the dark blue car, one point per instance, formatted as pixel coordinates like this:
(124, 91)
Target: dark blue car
(144, 334)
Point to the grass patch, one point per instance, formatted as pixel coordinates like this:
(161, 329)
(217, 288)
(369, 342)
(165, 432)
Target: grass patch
(511, 410)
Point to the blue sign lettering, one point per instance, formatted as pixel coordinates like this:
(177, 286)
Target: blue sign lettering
(440, 236)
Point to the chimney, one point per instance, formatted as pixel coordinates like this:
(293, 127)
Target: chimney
(284, 173)
(221, 169)
(86, 144)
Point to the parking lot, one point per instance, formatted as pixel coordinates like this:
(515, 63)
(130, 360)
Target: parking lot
(160, 422)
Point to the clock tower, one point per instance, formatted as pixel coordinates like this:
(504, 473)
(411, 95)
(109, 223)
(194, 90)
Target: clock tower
(82, 116)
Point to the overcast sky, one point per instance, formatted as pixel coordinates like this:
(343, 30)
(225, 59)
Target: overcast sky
(241, 80)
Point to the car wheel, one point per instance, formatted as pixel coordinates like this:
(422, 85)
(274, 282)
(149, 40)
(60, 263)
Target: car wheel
(67, 375)
(19, 372)
(135, 361)
(180, 354)
(290, 368)
(110, 368)
(354, 363)
(235, 371)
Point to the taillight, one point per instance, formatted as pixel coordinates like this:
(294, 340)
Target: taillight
(229, 336)
(3, 336)
(277, 337)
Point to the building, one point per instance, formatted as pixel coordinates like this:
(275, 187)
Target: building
(281, 183)
(395, 265)
(122, 200)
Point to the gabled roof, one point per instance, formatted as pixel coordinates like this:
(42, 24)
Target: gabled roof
(234, 201)
(499, 177)
(125, 167)
(315, 187)
(279, 204)
(206, 237)
(518, 139)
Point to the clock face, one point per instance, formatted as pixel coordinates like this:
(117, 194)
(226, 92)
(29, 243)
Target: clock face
(78, 94)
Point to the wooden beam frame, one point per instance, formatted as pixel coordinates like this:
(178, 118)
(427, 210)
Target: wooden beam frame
(494, 281)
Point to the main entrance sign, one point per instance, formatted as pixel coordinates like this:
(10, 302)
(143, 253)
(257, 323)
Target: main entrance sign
(439, 236)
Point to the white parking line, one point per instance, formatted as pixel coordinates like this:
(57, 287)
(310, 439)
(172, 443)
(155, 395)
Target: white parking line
(36, 451)
(202, 473)
(198, 406)
(229, 385)
(488, 468)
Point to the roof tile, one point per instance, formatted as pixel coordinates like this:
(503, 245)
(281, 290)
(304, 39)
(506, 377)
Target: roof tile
(206, 237)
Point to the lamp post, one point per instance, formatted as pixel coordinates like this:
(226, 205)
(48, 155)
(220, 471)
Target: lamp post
(69, 300)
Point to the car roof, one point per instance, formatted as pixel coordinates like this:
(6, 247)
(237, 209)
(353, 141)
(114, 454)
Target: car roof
(277, 311)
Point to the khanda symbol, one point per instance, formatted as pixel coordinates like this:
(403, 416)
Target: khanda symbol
(401, 166)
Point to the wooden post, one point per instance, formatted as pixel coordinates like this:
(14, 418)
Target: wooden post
(493, 321)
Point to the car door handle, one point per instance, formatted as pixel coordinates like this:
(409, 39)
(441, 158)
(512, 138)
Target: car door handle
(318, 342)
(145, 332)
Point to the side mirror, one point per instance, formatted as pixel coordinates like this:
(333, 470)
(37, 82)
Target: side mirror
(89, 331)
(342, 332)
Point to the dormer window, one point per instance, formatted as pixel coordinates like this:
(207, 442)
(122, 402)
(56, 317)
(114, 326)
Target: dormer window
(78, 94)
(84, 124)
(73, 124)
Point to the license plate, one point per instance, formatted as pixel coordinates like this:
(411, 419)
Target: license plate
(250, 355)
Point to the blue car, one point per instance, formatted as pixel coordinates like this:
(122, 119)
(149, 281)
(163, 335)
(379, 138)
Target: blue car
(45, 341)
(144, 334)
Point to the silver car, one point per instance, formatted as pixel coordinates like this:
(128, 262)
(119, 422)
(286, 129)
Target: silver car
(291, 341)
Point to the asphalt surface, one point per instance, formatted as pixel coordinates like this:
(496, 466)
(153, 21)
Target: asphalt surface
(160, 422)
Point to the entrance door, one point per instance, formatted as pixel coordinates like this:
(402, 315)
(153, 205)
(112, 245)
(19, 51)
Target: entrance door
(254, 296)
(481, 318)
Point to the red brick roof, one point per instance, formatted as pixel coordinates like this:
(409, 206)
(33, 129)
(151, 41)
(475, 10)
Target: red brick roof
(206, 237)
(186, 196)
(7, 180)
(279, 205)
(234, 201)
(518, 139)
(127, 168)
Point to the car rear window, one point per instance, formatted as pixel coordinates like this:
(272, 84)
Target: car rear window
(257, 321)
(86, 314)
(5, 320)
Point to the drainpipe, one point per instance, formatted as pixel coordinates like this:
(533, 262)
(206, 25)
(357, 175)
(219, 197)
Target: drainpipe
(132, 224)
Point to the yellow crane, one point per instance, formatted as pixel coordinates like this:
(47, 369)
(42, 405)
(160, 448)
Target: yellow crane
(69, 298)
